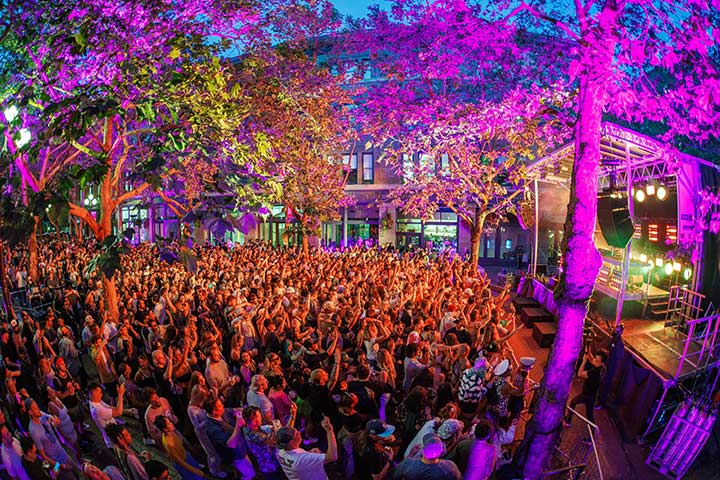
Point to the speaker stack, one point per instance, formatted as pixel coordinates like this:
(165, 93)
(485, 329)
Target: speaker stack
(614, 217)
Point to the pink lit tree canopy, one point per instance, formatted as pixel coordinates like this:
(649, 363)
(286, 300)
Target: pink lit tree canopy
(456, 112)
(92, 86)
(640, 60)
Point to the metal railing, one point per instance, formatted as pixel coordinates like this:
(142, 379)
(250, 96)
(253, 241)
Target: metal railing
(576, 454)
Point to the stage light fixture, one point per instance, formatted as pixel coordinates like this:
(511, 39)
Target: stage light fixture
(687, 274)
(659, 261)
(661, 193)
(640, 195)
(668, 268)
(677, 266)
(643, 258)
(651, 263)
(650, 189)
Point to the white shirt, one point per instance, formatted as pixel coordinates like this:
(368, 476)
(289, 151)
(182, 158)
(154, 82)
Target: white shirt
(261, 401)
(102, 414)
(301, 465)
(12, 459)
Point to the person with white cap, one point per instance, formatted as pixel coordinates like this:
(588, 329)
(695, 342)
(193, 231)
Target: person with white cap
(519, 386)
(429, 466)
(499, 390)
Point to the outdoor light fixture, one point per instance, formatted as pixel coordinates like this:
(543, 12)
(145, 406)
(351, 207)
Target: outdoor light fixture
(668, 268)
(650, 189)
(661, 193)
(640, 195)
(10, 113)
(643, 258)
(659, 261)
(25, 136)
(677, 266)
(687, 274)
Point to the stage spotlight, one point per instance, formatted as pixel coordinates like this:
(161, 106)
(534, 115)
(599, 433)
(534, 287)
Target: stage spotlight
(677, 266)
(643, 258)
(651, 263)
(659, 262)
(687, 274)
(668, 268)
(661, 193)
(650, 189)
(640, 195)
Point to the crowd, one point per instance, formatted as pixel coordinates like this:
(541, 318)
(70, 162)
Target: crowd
(260, 363)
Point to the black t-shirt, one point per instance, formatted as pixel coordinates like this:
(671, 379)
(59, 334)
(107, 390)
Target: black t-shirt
(368, 393)
(592, 383)
(35, 469)
(370, 462)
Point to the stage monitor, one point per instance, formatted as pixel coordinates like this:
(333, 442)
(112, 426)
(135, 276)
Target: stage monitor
(614, 218)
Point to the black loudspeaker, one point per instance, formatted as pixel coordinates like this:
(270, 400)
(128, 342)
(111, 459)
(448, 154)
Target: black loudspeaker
(614, 218)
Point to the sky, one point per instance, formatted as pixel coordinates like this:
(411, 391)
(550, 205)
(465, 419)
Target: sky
(358, 8)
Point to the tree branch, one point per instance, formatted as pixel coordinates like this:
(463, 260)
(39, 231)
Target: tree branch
(84, 215)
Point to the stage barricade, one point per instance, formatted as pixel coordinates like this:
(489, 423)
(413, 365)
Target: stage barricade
(532, 288)
(631, 392)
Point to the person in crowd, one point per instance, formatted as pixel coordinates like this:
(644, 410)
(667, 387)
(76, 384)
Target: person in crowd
(224, 430)
(12, 455)
(479, 454)
(32, 462)
(198, 418)
(430, 465)
(172, 442)
(591, 372)
(128, 459)
(256, 397)
(102, 413)
(157, 406)
(375, 455)
(42, 431)
(299, 464)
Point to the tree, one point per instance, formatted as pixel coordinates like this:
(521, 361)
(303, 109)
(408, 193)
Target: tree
(300, 114)
(95, 81)
(640, 60)
(455, 114)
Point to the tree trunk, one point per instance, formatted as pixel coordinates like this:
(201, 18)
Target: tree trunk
(581, 263)
(4, 282)
(476, 230)
(475, 238)
(111, 298)
(33, 249)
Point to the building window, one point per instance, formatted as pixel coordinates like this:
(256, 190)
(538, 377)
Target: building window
(351, 160)
(408, 167)
(444, 164)
(368, 167)
(426, 164)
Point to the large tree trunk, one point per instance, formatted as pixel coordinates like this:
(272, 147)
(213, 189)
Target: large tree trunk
(111, 298)
(475, 238)
(476, 230)
(4, 282)
(582, 263)
(33, 249)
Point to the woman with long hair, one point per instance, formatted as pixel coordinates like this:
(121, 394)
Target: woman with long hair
(198, 416)
(184, 463)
